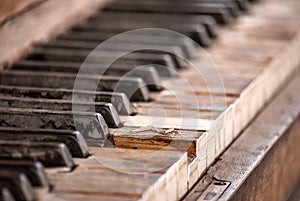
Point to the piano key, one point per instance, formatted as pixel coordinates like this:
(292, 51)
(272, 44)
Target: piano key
(119, 100)
(231, 5)
(147, 73)
(196, 32)
(105, 57)
(135, 88)
(50, 154)
(186, 45)
(107, 110)
(17, 184)
(156, 19)
(6, 195)
(33, 170)
(91, 125)
(72, 139)
(218, 11)
(139, 49)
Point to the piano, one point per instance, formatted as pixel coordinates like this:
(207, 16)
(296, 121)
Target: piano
(149, 100)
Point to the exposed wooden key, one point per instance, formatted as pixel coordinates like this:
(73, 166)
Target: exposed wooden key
(91, 125)
(17, 184)
(33, 170)
(72, 139)
(119, 100)
(50, 154)
(147, 73)
(135, 88)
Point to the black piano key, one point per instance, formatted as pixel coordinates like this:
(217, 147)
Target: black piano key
(119, 100)
(196, 32)
(72, 139)
(6, 195)
(103, 58)
(147, 73)
(159, 19)
(230, 5)
(50, 154)
(141, 50)
(135, 88)
(107, 110)
(90, 125)
(34, 170)
(17, 184)
(186, 45)
(218, 11)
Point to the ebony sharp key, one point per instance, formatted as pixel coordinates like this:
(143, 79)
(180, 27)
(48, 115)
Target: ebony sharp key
(17, 184)
(72, 139)
(148, 73)
(6, 195)
(185, 43)
(141, 50)
(107, 110)
(107, 58)
(230, 5)
(159, 19)
(50, 154)
(135, 88)
(34, 170)
(118, 100)
(91, 125)
(218, 11)
(196, 32)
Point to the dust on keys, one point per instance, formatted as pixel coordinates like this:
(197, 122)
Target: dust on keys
(111, 149)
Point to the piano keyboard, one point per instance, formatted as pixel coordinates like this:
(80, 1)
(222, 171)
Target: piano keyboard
(127, 144)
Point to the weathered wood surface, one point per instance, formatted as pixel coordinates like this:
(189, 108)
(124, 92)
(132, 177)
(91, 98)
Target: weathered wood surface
(254, 58)
(116, 174)
(263, 163)
(39, 24)
(11, 8)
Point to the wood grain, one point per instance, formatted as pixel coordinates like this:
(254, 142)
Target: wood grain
(262, 164)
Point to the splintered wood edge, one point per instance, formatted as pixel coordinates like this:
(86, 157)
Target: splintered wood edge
(39, 24)
(172, 185)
